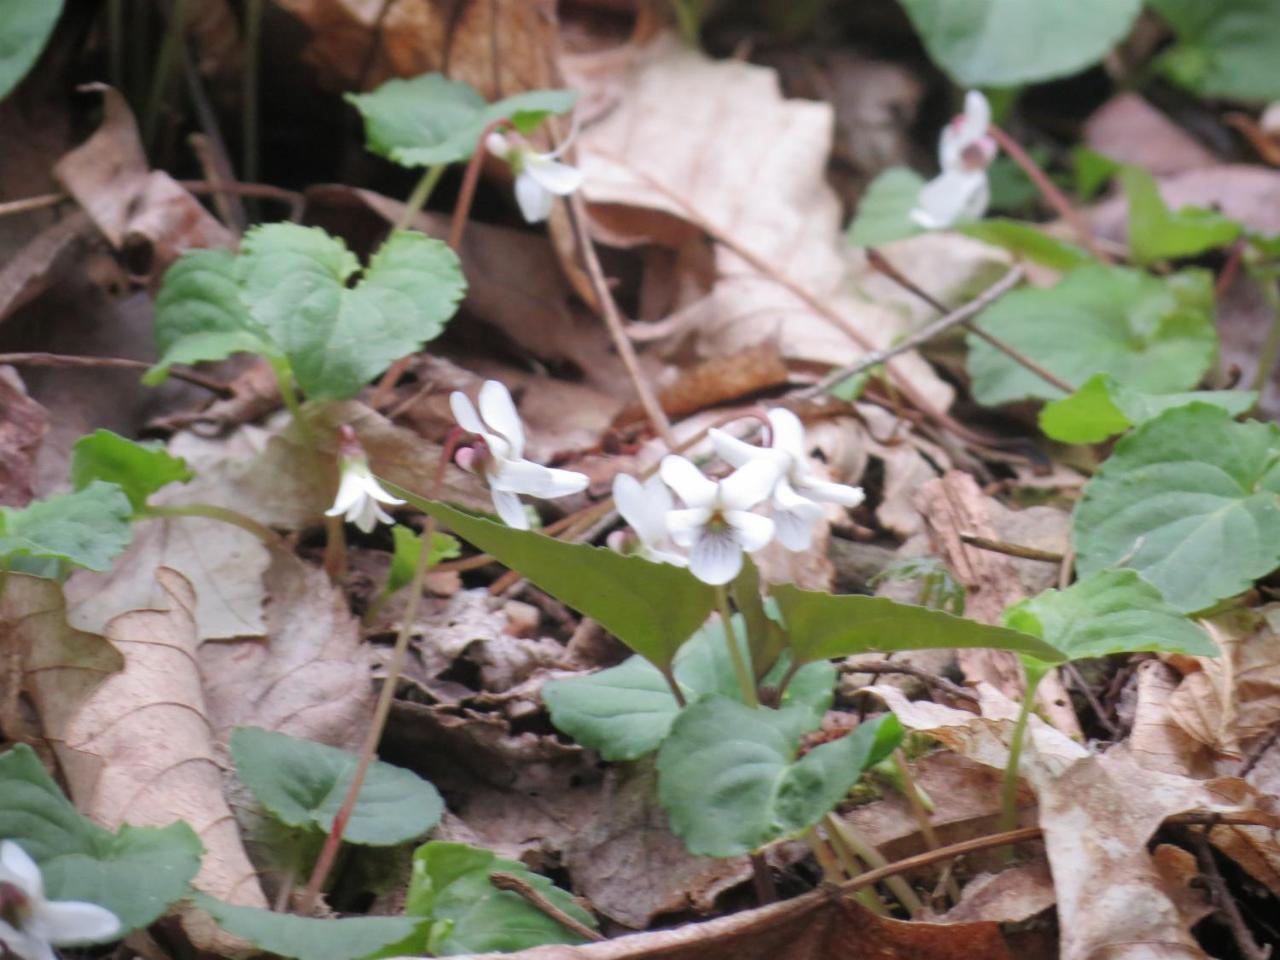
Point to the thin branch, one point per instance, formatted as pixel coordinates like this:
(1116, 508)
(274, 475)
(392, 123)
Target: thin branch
(958, 317)
(906, 669)
(66, 360)
(1010, 549)
(32, 203)
(880, 263)
(1223, 900)
(517, 885)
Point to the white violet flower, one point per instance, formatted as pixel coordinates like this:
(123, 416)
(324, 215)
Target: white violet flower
(30, 925)
(965, 150)
(798, 494)
(540, 177)
(717, 523)
(499, 454)
(360, 496)
(645, 508)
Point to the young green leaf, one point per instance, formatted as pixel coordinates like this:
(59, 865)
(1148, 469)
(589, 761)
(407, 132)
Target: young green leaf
(1153, 334)
(1103, 407)
(139, 469)
(1110, 611)
(1004, 43)
(1156, 233)
(1189, 501)
(431, 119)
(338, 337)
(311, 938)
(135, 873)
(625, 712)
(408, 545)
(823, 626)
(25, 31)
(87, 528)
(884, 209)
(303, 783)
(730, 782)
(651, 607)
(1225, 48)
(450, 884)
(1027, 240)
(1092, 171)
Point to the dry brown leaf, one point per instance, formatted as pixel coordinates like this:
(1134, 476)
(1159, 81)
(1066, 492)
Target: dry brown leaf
(1130, 130)
(751, 164)
(1256, 848)
(816, 926)
(1010, 896)
(1234, 698)
(27, 274)
(499, 47)
(140, 748)
(1156, 740)
(23, 423)
(142, 212)
(310, 676)
(223, 564)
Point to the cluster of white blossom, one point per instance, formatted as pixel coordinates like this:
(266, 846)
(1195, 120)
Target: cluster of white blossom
(960, 192)
(31, 925)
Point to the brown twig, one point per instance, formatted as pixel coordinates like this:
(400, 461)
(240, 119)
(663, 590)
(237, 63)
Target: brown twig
(1228, 910)
(880, 263)
(264, 190)
(1056, 198)
(467, 193)
(1010, 549)
(958, 317)
(32, 203)
(762, 880)
(520, 887)
(906, 669)
(68, 361)
(1078, 680)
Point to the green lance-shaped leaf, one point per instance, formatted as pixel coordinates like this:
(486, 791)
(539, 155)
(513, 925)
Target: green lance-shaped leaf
(1157, 233)
(139, 469)
(1110, 611)
(651, 607)
(1005, 43)
(730, 782)
(336, 337)
(1027, 240)
(451, 885)
(625, 712)
(1225, 49)
(430, 119)
(823, 626)
(24, 31)
(311, 938)
(1152, 334)
(1190, 501)
(87, 528)
(1104, 407)
(136, 873)
(303, 784)
(407, 547)
(884, 209)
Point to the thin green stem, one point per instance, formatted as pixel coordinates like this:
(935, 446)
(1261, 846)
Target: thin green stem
(1009, 789)
(674, 685)
(250, 148)
(165, 62)
(861, 848)
(210, 511)
(421, 194)
(332, 843)
(746, 683)
(852, 867)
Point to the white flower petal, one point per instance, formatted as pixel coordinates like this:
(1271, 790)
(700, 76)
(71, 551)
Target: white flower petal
(17, 867)
(793, 531)
(499, 412)
(350, 493)
(684, 525)
(525, 476)
(951, 197)
(788, 434)
(373, 489)
(977, 117)
(688, 482)
(750, 530)
(643, 506)
(533, 199)
(510, 509)
(73, 921)
(748, 485)
(497, 145)
(716, 557)
(730, 449)
(552, 175)
(826, 492)
(465, 413)
(19, 944)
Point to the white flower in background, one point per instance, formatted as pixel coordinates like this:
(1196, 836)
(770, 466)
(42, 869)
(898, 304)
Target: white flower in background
(499, 457)
(360, 496)
(540, 177)
(30, 925)
(645, 508)
(960, 192)
(717, 524)
(798, 495)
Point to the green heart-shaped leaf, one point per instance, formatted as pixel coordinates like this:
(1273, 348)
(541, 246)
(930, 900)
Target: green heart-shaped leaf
(87, 528)
(884, 209)
(1157, 233)
(139, 469)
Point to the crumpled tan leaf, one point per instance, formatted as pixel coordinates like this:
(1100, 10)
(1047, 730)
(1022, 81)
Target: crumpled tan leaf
(23, 423)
